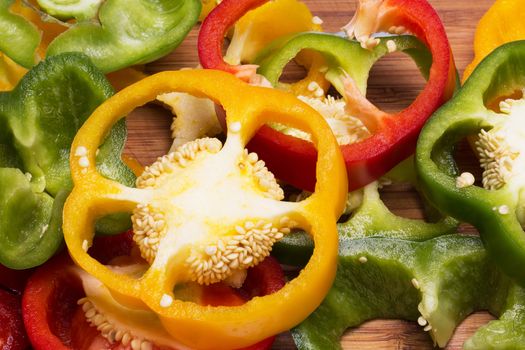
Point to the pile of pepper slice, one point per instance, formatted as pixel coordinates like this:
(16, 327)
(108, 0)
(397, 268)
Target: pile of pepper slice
(195, 271)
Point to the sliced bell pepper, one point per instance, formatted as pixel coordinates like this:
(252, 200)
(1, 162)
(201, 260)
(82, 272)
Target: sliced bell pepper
(114, 34)
(498, 208)
(18, 38)
(370, 217)
(12, 333)
(39, 119)
(223, 213)
(502, 23)
(437, 283)
(393, 136)
(55, 320)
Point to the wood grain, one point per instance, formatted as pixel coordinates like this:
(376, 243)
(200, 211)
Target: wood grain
(393, 84)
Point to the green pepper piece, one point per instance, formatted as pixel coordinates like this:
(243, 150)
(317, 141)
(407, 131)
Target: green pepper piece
(130, 32)
(342, 55)
(39, 120)
(67, 9)
(508, 332)
(497, 208)
(19, 39)
(371, 218)
(437, 282)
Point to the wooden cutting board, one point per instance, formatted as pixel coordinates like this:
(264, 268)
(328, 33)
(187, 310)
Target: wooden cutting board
(394, 83)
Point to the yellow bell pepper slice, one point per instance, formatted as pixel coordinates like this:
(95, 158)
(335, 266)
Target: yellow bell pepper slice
(501, 24)
(195, 204)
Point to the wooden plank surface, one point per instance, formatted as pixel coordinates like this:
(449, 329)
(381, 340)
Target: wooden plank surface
(393, 84)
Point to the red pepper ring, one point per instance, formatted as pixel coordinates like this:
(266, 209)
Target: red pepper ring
(54, 321)
(395, 136)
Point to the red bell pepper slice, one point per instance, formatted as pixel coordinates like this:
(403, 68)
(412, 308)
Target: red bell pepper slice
(12, 334)
(54, 321)
(292, 159)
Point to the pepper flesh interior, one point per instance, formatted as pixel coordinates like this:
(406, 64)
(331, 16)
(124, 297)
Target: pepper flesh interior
(501, 151)
(209, 214)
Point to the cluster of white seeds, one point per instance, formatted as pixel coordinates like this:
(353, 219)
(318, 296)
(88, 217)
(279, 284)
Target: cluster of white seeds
(251, 243)
(496, 159)
(149, 226)
(176, 160)
(330, 108)
(264, 178)
(109, 330)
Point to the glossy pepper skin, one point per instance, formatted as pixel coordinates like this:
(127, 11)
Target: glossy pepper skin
(115, 35)
(39, 119)
(247, 108)
(494, 212)
(501, 24)
(55, 321)
(394, 137)
(442, 280)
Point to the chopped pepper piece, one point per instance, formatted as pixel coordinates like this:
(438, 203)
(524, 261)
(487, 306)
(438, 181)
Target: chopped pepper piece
(502, 23)
(195, 205)
(392, 136)
(370, 217)
(18, 38)
(114, 34)
(497, 208)
(39, 119)
(437, 283)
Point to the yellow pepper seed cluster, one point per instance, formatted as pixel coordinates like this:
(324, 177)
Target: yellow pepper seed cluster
(251, 244)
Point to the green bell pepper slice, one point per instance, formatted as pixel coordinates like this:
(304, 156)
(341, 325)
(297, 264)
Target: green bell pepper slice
(436, 282)
(497, 208)
(39, 120)
(341, 55)
(370, 217)
(19, 39)
(67, 9)
(115, 34)
(394, 267)
(129, 32)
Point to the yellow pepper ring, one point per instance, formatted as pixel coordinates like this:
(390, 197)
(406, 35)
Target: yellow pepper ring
(205, 327)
